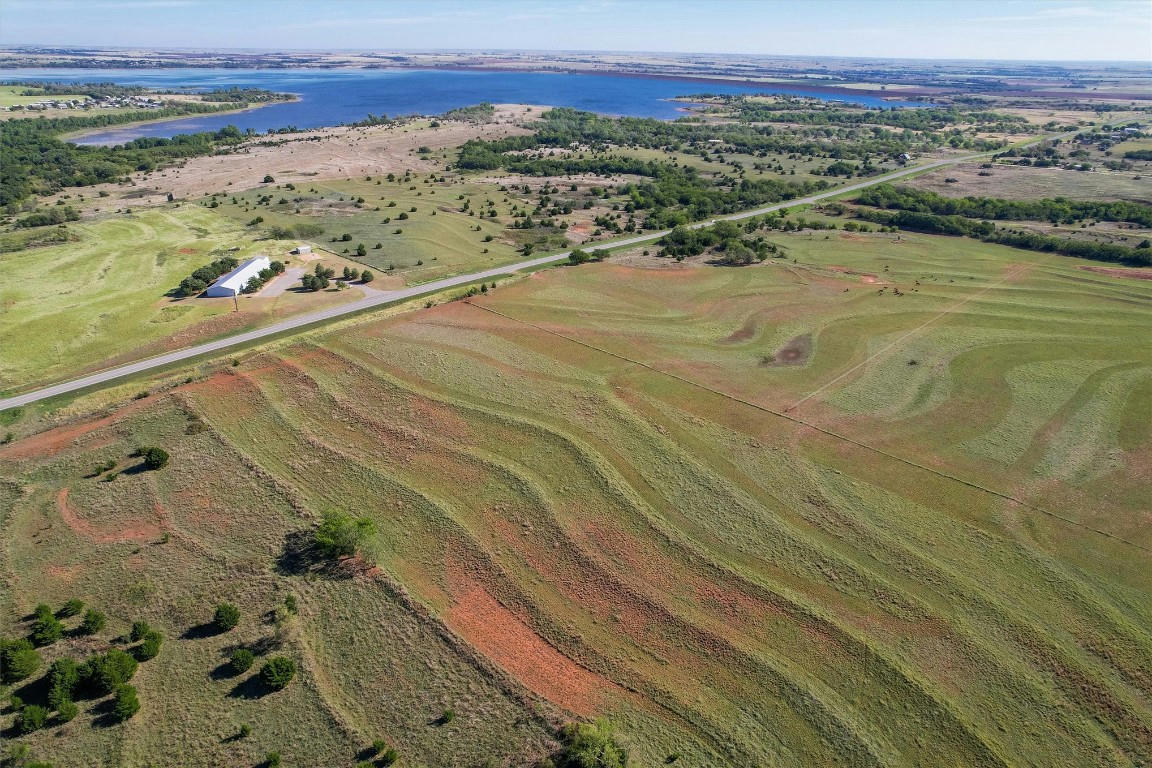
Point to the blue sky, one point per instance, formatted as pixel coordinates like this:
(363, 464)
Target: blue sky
(980, 29)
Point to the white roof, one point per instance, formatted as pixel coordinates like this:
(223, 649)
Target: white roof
(239, 277)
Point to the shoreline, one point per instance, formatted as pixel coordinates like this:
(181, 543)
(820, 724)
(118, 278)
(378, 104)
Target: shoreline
(74, 136)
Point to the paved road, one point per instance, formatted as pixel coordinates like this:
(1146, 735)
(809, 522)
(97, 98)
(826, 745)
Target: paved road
(387, 297)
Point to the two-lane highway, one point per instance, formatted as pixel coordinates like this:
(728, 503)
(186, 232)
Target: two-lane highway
(388, 297)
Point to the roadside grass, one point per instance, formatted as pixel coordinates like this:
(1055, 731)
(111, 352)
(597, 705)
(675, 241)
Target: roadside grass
(1017, 182)
(722, 582)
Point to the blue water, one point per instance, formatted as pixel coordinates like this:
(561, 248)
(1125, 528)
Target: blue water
(331, 97)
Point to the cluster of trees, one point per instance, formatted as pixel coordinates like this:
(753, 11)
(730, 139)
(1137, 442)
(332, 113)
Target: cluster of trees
(726, 239)
(577, 256)
(100, 674)
(194, 284)
(1055, 210)
(478, 113)
(804, 112)
(984, 230)
(257, 281)
(319, 279)
(1138, 154)
(49, 217)
(34, 161)
(588, 745)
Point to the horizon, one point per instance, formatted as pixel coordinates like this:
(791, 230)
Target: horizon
(1105, 31)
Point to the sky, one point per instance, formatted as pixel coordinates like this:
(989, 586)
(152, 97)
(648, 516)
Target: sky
(1062, 30)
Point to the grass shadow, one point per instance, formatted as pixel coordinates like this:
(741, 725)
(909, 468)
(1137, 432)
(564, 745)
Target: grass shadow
(250, 688)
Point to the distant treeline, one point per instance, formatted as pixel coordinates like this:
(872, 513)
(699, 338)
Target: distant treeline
(941, 224)
(1055, 210)
(475, 113)
(33, 160)
(916, 119)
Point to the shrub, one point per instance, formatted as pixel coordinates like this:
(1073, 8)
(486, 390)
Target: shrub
(241, 660)
(269, 180)
(588, 745)
(154, 458)
(277, 672)
(226, 617)
(66, 710)
(272, 760)
(103, 673)
(340, 535)
(94, 621)
(379, 746)
(18, 659)
(126, 702)
(150, 647)
(366, 276)
(46, 629)
(74, 606)
(388, 757)
(139, 630)
(63, 677)
(245, 730)
(31, 718)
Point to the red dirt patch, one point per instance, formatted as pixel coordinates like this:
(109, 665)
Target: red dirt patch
(1135, 273)
(143, 531)
(187, 250)
(498, 634)
(795, 352)
(55, 440)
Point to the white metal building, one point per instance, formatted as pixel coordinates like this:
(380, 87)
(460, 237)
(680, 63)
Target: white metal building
(232, 283)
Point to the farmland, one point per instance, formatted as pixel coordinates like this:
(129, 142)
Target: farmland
(878, 502)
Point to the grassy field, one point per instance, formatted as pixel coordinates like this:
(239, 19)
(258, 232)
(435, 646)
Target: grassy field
(102, 297)
(1023, 183)
(13, 95)
(589, 501)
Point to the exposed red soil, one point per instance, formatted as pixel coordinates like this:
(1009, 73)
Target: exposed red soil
(141, 531)
(1136, 273)
(187, 250)
(498, 634)
(795, 352)
(55, 440)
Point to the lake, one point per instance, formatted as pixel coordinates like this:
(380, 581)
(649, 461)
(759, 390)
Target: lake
(330, 97)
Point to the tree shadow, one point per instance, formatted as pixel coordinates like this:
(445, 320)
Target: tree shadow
(105, 713)
(251, 688)
(224, 671)
(201, 631)
(300, 556)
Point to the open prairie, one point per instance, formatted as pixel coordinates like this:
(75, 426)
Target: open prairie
(880, 502)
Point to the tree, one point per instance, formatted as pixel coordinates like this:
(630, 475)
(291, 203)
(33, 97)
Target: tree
(31, 718)
(18, 659)
(63, 677)
(104, 672)
(226, 617)
(154, 458)
(46, 629)
(66, 710)
(71, 608)
(269, 180)
(94, 621)
(366, 276)
(277, 672)
(361, 251)
(150, 647)
(139, 630)
(241, 660)
(590, 745)
(351, 274)
(340, 535)
(126, 702)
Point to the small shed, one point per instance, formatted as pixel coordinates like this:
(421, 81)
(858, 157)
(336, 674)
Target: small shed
(232, 283)
(301, 249)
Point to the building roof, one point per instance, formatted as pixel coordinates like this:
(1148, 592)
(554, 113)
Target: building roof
(239, 277)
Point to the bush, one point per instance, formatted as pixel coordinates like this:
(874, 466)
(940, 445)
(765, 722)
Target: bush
(66, 710)
(94, 621)
(226, 617)
(590, 745)
(241, 660)
(63, 677)
(339, 535)
(272, 760)
(277, 672)
(18, 659)
(104, 673)
(74, 606)
(154, 458)
(150, 647)
(126, 702)
(269, 180)
(31, 718)
(46, 629)
(366, 276)
(139, 630)
(245, 730)
(388, 757)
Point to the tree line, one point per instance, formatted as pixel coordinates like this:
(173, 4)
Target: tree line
(1057, 210)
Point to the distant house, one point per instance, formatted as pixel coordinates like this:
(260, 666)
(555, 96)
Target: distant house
(301, 249)
(232, 283)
